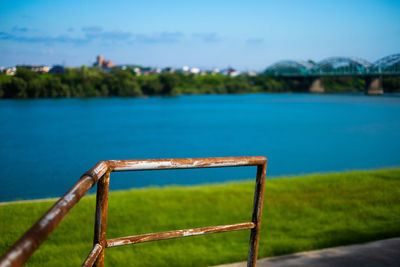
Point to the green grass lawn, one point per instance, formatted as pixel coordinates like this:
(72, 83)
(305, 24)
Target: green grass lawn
(300, 213)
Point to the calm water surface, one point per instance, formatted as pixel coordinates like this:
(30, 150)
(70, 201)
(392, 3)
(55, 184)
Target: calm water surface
(46, 145)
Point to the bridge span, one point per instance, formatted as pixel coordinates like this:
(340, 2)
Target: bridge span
(372, 73)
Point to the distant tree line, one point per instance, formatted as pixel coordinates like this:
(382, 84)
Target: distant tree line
(93, 82)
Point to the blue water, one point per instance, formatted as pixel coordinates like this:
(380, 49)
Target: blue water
(46, 145)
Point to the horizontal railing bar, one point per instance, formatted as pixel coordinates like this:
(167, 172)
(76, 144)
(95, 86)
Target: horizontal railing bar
(188, 163)
(115, 242)
(91, 258)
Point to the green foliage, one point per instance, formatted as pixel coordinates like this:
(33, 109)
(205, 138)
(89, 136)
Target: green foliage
(169, 82)
(18, 87)
(150, 84)
(344, 84)
(26, 74)
(93, 82)
(299, 214)
(391, 84)
(5, 81)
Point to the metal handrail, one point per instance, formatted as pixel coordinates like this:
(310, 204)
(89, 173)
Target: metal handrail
(20, 252)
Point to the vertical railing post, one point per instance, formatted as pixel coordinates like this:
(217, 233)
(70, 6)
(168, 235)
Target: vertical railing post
(101, 216)
(257, 212)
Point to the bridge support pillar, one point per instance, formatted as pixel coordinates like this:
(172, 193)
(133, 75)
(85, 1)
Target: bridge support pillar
(373, 85)
(317, 86)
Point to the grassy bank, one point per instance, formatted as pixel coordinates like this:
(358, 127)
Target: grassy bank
(300, 213)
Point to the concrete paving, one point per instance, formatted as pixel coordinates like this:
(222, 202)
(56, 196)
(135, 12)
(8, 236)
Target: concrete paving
(379, 253)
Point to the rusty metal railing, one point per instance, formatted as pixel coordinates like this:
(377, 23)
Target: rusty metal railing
(20, 252)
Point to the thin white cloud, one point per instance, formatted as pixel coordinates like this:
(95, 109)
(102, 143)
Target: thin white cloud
(208, 37)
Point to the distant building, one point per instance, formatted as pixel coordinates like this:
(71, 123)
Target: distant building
(137, 71)
(10, 71)
(215, 71)
(57, 69)
(36, 68)
(169, 70)
(185, 68)
(194, 70)
(230, 72)
(146, 71)
(103, 63)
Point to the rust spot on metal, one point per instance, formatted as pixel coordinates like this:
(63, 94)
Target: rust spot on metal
(188, 163)
(177, 233)
(98, 171)
(257, 213)
(91, 258)
(101, 216)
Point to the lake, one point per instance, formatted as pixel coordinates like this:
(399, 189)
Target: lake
(47, 144)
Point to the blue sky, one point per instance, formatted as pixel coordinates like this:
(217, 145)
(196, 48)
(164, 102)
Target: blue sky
(248, 35)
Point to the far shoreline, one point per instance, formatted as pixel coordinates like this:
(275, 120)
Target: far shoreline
(349, 93)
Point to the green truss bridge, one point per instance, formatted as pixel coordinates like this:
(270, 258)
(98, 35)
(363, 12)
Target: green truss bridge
(339, 67)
